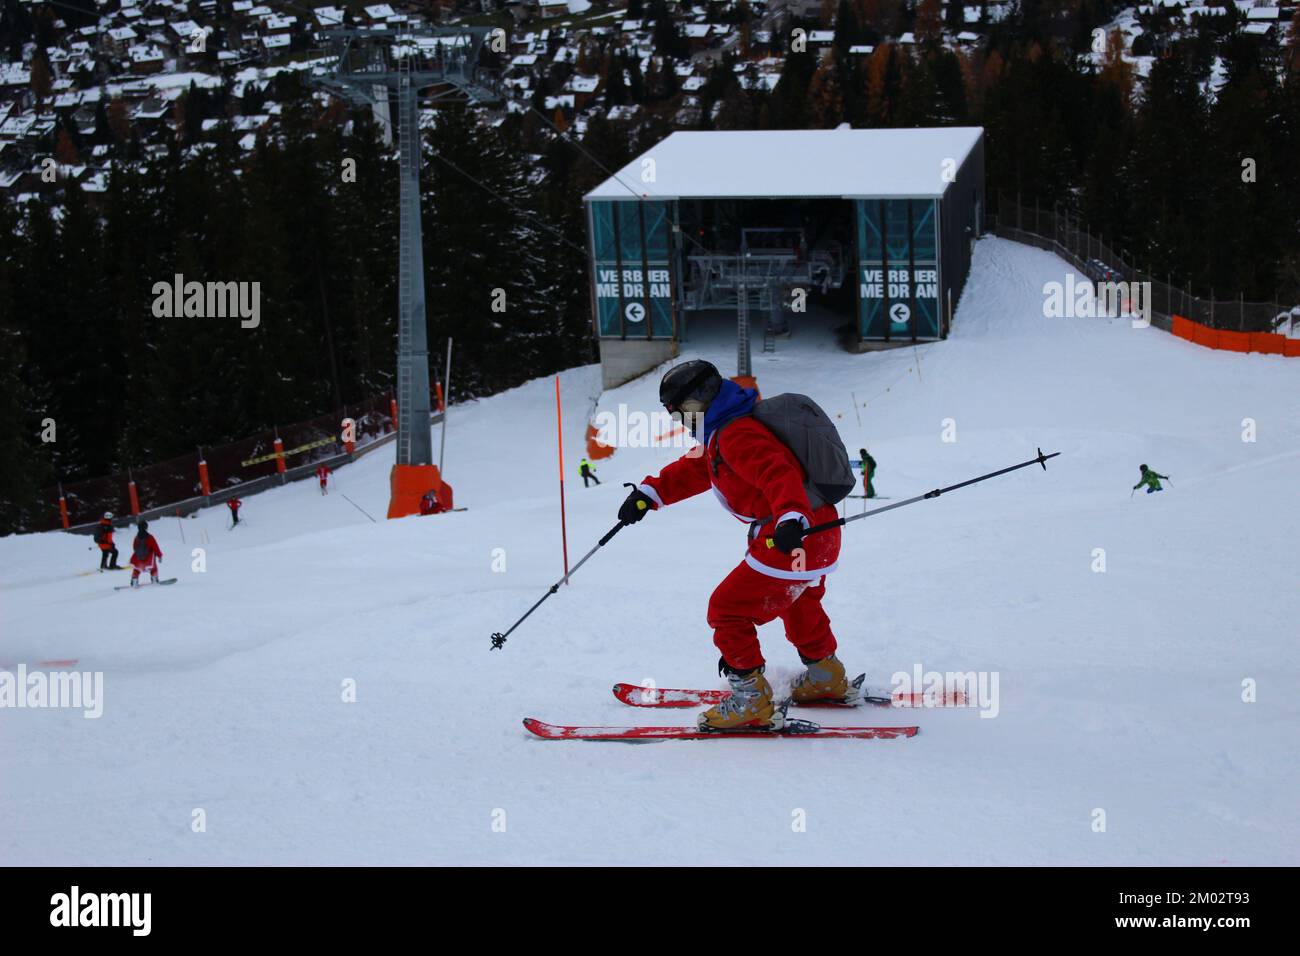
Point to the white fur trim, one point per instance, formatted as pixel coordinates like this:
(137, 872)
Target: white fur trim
(810, 575)
(717, 494)
(650, 493)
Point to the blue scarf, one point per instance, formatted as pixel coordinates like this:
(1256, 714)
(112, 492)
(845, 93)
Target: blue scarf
(731, 402)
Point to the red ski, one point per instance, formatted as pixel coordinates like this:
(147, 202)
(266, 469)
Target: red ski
(635, 695)
(794, 729)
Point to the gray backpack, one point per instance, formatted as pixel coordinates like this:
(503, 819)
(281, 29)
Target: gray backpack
(800, 424)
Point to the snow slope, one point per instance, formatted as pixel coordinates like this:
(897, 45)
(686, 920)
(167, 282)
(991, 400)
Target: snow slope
(1119, 691)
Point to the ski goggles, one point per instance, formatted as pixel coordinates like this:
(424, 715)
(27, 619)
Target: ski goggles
(689, 406)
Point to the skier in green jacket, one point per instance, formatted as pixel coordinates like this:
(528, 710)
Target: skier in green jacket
(1151, 479)
(868, 472)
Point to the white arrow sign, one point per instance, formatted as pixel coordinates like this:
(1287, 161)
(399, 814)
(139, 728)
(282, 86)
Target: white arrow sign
(635, 311)
(899, 313)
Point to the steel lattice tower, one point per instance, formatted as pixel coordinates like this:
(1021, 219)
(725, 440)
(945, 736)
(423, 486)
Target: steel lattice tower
(367, 66)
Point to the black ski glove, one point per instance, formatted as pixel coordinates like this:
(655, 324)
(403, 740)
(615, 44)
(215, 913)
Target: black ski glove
(635, 507)
(788, 535)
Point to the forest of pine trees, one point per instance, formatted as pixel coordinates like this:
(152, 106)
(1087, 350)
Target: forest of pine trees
(82, 348)
(1154, 166)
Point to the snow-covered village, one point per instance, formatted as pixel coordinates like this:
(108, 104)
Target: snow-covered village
(662, 433)
(87, 82)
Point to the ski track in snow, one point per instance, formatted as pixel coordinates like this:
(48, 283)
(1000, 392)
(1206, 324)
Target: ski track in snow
(1119, 691)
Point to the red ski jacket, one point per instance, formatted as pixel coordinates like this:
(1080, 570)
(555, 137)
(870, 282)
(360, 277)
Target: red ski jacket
(233, 504)
(153, 554)
(104, 536)
(759, 480)
(322, 472)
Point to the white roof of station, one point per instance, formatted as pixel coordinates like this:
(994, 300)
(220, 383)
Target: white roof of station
(761, 164)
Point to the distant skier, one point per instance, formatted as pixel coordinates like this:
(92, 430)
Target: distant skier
(144, 555)
(752, 473)
(233, 504)
(585, 469)
(104, 538)
(323, 473)
(1151, 480)
(868, 472)
(429, 504)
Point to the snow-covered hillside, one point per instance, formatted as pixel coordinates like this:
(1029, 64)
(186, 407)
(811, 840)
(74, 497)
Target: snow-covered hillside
(1119, 691)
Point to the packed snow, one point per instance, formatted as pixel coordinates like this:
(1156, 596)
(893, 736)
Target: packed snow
(1119, 733)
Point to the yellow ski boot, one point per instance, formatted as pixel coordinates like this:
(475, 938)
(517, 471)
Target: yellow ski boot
(823, 680)
(749, 706)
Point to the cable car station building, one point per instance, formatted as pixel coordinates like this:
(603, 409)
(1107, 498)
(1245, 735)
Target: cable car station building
(869, 231)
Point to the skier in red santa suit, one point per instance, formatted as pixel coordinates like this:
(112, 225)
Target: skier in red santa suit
(759, 480)
(144, 555)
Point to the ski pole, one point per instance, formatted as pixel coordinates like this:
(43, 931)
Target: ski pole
(1040, 460)
(358, 507)
(499, 639)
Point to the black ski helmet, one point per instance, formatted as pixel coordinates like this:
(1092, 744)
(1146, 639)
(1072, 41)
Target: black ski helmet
(695, 379)
(144, 526)
(1142, 467)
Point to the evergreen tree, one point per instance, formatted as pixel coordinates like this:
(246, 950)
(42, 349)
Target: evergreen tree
(1167, 179)
(848, 31)
(493, 294)
(826, 94)
(615, 85)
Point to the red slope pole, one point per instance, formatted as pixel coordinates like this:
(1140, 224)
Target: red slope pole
(559, 440)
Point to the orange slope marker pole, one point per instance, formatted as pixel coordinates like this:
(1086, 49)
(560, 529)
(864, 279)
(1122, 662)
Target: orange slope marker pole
(559, 441)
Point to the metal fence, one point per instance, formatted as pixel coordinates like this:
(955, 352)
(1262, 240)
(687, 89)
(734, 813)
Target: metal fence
(236, 468)
(1056, 230)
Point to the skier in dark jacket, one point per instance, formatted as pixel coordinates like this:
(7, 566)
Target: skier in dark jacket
(1151, 480)
(104, 538)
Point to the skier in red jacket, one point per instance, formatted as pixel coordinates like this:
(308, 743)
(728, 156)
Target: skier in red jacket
(323, 473)
(144, 555)
(759, 480)
(233, 504)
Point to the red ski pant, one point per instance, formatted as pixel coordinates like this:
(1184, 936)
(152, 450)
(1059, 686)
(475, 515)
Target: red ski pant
(150, 565)
(746, 598)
